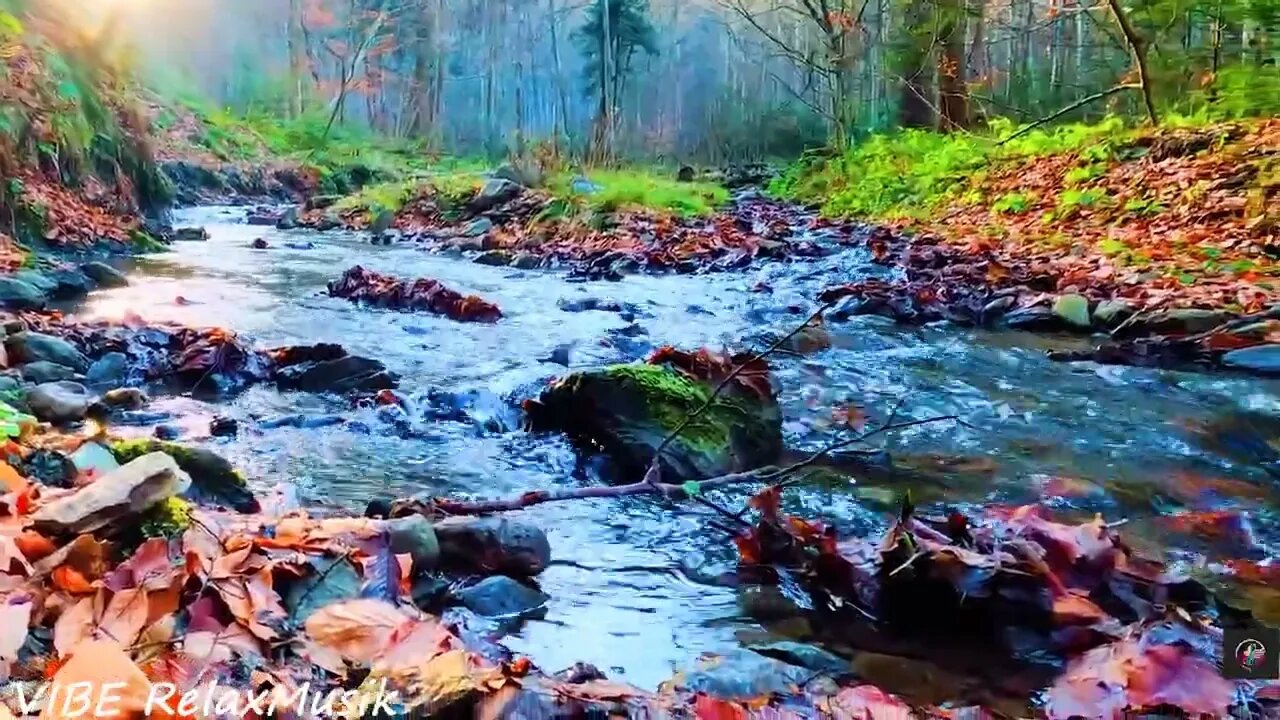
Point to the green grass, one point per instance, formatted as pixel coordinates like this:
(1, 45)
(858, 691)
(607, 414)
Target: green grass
(912, 173)
(640, 189)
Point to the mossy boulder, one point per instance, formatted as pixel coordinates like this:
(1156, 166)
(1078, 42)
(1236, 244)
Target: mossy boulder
(167, 519)
(213, 479)
(627, 410)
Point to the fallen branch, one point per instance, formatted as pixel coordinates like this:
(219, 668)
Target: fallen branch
(666, 490)
(1077, 104)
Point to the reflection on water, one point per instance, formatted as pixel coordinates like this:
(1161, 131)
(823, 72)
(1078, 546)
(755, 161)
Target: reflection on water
(632, 587)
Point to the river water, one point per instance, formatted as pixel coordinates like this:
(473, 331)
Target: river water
(635, 588)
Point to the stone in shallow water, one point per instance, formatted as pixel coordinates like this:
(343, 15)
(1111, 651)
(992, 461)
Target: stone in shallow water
(122, 493)
(59, 402)
(104, 274)
(500, 596)
(323, 586)
(108, 368)
(1264, 359)
(741, 674)
(493, 544)
(32, 346)
(20, 295)
(1074, 310)
(43, 371)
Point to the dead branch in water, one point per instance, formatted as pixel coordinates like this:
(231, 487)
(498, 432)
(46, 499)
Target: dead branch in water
(666, 490)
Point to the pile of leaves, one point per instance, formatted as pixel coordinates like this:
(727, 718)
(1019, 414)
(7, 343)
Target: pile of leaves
(1167, 218)
(366, 286)
(1134, 636)
(746, 372)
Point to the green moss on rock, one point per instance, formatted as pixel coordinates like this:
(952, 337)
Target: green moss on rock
(627, 411)
(213, 479)
(166, 519)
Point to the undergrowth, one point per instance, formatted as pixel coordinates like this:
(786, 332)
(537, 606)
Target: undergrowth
(607, 191)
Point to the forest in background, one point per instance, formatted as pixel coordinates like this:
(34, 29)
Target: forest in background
(704, 80)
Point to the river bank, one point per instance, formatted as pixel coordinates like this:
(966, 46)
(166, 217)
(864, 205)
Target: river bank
(628, 563)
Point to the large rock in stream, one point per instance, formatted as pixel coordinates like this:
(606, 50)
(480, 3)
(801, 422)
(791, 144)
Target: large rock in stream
(628, 410)
(212, 478)
(123, 492)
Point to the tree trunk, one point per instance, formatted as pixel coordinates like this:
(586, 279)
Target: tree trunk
(915, 111)
(297, 59)
(953, 96)
(1138, 46)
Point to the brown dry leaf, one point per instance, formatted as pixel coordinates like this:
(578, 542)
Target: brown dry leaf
(359, 630)
(254, 602)
(11, 479)
(98, 662)
(12, 559)
(445, 679)
(155, 639)
(76, 623)
(121, 619)
(412, 645)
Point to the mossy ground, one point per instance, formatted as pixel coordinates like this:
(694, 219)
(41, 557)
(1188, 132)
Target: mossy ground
(654, 190)
(167, 519)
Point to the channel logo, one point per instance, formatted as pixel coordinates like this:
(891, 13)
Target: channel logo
(1250, 653)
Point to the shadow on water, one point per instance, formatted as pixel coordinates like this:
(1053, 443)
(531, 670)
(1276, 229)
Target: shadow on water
(637, 588)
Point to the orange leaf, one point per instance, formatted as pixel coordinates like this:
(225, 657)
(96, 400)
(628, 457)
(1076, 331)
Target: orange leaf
(34, 546)
(97, 663)
(357, 629)
(70, 580)
(13, 481)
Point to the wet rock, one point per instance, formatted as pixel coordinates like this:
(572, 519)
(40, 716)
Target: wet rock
(588, 303)
(222, 426)
(685, 174)
(167, 432)
(300, 245)
(43, 371)
(128, 398)
(526, 261)
(366, 286)
(50, 467)
(264, 216)
(341, 375)
(559, 355)
(71, 283)
(104, 274)
(477, 227)
(327, 583)
(1074, 310)
(33, 346)
(190, 234)
(767, 602)
(1261, 359)
(493, 545)
(741, 674)
(494, 193)
(579, 673)
(289, 220)
(212, 479)
(521, 173)
(805, 656)
(320, 202)
(846, 308)
(1035, 319)
(259, 244)
(500, 596)
(414, 535)
(494, 257)
(382, 222)
(1110, 313)
(9, 384)
(995, 310)
(93, 458)
(39, 280)
(109, 368)
(1181, 321)
(20, 295)
(124, 492)
(59, 402)
(628, 410)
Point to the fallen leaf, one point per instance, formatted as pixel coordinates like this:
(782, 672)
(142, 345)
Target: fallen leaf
(357, 629)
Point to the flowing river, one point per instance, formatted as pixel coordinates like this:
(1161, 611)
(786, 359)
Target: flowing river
(639, 588)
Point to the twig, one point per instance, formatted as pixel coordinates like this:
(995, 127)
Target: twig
(652, 474)
(1079, 103)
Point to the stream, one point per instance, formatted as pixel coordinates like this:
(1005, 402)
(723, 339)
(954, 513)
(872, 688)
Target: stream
(638, 588)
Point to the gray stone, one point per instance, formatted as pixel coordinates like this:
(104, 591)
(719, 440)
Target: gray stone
(494, 193)
(526, 261)
(494, 257)
(1074, 310)
(1262, 359)
(72, 283)
(382, 222)
(108, 368)
(129, 398)
(478, 227)
(104, 274)
(20, 295)
(289, 220)
(43, 371)
(59, 402)
(34, 277)
(1034, 319)
(190, 234)
(415, 535)
(493, 544)
(32, 346)
(805, 656)
(1181, 321)
(121, 493)
(1110, 313)
(500, 596)
(741, 674)
(9, 383)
